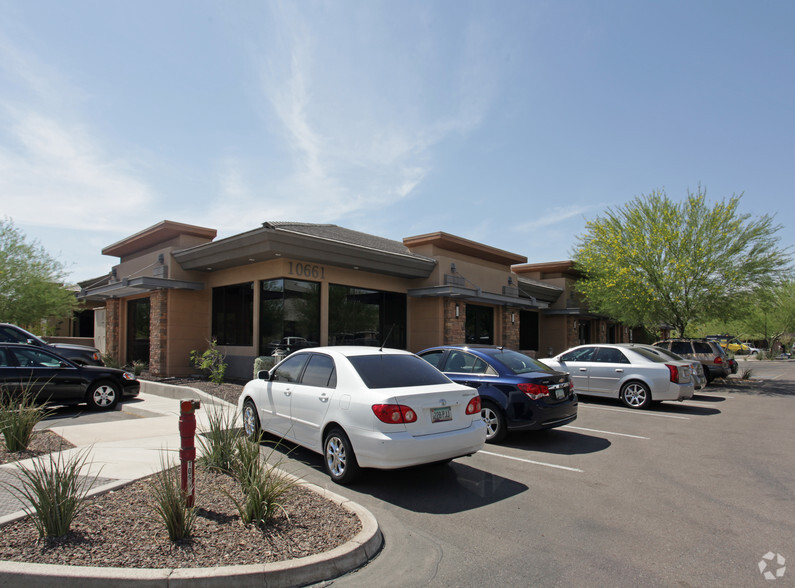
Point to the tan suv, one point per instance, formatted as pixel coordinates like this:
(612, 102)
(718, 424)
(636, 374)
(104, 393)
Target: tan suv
(711, 355)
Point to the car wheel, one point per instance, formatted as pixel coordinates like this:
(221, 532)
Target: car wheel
(103, 396)
(636, 395)
(496, 428)
(339, 461)
(251, 425)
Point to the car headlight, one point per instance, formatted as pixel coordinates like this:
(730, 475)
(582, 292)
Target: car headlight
(128, 376)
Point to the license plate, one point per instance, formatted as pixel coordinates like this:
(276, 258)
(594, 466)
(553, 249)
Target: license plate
(441, 414)
(560, 394)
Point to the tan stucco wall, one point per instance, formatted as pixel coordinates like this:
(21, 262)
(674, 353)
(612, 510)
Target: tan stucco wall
(188, 328)
(425, 323)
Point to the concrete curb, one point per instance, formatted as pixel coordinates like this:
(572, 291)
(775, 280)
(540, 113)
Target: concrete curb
(297, 572)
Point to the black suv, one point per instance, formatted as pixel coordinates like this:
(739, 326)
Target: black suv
(79, 354)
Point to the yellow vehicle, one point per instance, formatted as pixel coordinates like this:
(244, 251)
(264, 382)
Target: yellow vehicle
(730, 343)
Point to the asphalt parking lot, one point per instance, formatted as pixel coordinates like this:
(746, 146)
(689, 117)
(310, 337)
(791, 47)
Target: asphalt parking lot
(689, 494)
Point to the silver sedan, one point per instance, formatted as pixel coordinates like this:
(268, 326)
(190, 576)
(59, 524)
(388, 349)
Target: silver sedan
(629, 372)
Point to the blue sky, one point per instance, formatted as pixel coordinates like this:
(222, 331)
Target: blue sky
(510, 123)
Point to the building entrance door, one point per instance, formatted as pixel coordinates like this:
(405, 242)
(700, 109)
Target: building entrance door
(138, 330)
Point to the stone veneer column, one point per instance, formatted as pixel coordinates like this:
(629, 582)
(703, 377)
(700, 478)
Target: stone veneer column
(510, 330)
(112, 330)
(454, 328)
(158, 332)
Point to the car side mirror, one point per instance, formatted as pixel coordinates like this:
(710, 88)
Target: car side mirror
(63, 364)
(263, 375)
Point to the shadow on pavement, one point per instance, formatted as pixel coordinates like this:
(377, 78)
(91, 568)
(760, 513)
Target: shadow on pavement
(434, 488)
(557, 441)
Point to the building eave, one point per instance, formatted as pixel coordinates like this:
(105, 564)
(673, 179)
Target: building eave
(266, 243)
(133, 286)
(475, 295)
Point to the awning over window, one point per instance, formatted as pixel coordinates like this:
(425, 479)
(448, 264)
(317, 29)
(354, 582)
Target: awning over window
(132, 286)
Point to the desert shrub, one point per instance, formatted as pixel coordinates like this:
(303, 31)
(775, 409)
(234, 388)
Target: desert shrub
(263, 363)
(219, 441)
(211, 361)
(53, 490)
(111, 361)
(19, 415)
(170, 502)
(263, 484)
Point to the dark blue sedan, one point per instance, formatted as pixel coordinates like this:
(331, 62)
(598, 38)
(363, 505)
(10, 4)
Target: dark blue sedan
(517, 392)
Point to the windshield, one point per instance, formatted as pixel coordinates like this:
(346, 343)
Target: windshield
(396, 371)
(518, 363)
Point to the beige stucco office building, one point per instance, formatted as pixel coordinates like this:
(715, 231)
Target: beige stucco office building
(287, 285)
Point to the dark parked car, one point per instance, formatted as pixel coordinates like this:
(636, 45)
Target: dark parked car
(517, 392)
(52, 378)
(711, 355)
(81, 354)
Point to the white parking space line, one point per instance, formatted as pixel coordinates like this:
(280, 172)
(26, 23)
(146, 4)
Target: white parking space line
(605, 432)
(541, 463)
(638, 412)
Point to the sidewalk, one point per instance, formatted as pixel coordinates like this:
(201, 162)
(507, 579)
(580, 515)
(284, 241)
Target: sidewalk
(123, 451)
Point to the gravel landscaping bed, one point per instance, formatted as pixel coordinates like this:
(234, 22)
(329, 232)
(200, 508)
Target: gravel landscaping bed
(121, 528)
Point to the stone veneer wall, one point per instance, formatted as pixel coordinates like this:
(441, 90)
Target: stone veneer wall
(112, 328)
(510, 331)
(158, 332)
(454, 328)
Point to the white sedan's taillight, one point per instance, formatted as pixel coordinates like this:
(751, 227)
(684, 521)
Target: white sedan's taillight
(474, 406)
(394, 413)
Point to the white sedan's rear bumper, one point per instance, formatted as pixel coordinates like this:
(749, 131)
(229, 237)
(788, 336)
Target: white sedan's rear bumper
(386, 451)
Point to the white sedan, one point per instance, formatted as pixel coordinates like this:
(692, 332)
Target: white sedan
(625, 371)
(364, 407)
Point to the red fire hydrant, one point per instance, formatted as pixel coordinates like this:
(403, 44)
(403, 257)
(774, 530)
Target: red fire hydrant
(187, 450)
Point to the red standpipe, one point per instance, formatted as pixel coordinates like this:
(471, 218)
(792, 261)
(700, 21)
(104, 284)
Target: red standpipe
(187, 450)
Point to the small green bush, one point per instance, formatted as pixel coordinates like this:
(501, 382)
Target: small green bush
(111, 361)
(19, 415)
(170, 502)
(212, 361)
(53, 491)
(219, 442)
(263, 484)
(138, 367)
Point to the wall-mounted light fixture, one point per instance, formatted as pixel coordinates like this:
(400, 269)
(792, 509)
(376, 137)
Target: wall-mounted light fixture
(510, 280)
(452, 268)
(513, 318)
(456, 311)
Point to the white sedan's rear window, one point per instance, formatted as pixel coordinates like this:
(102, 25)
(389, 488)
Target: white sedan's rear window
(396, 371)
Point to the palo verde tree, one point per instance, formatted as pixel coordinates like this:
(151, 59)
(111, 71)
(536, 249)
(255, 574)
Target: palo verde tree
(654, 261)
(31, 281)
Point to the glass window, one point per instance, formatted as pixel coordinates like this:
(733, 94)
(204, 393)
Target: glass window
(681, 347)
(519, 363)
(358, 316)
(320, 372)
(465, 363)
(3, 358)
(612, 355)
(233, 314)
(581, 354)
(36, 358)
(396, 371)
(290, 369)
(479, 325)
(9, 335)
(289, 315)
(433, 357)
(650, 355)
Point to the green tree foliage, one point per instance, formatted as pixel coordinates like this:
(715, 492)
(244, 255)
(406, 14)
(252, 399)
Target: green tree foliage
(655, 261)
(31, 281)
(772, 316)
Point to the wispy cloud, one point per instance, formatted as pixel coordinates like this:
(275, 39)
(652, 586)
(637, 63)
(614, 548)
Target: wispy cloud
(53, 171)
(357, 150)
(555, 216)
(54, 174)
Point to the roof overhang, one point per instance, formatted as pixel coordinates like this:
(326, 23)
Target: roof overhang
(149, 237)
(465, 246)
(540, 290)
(476, 295)
(265, 243)
(133, 286)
